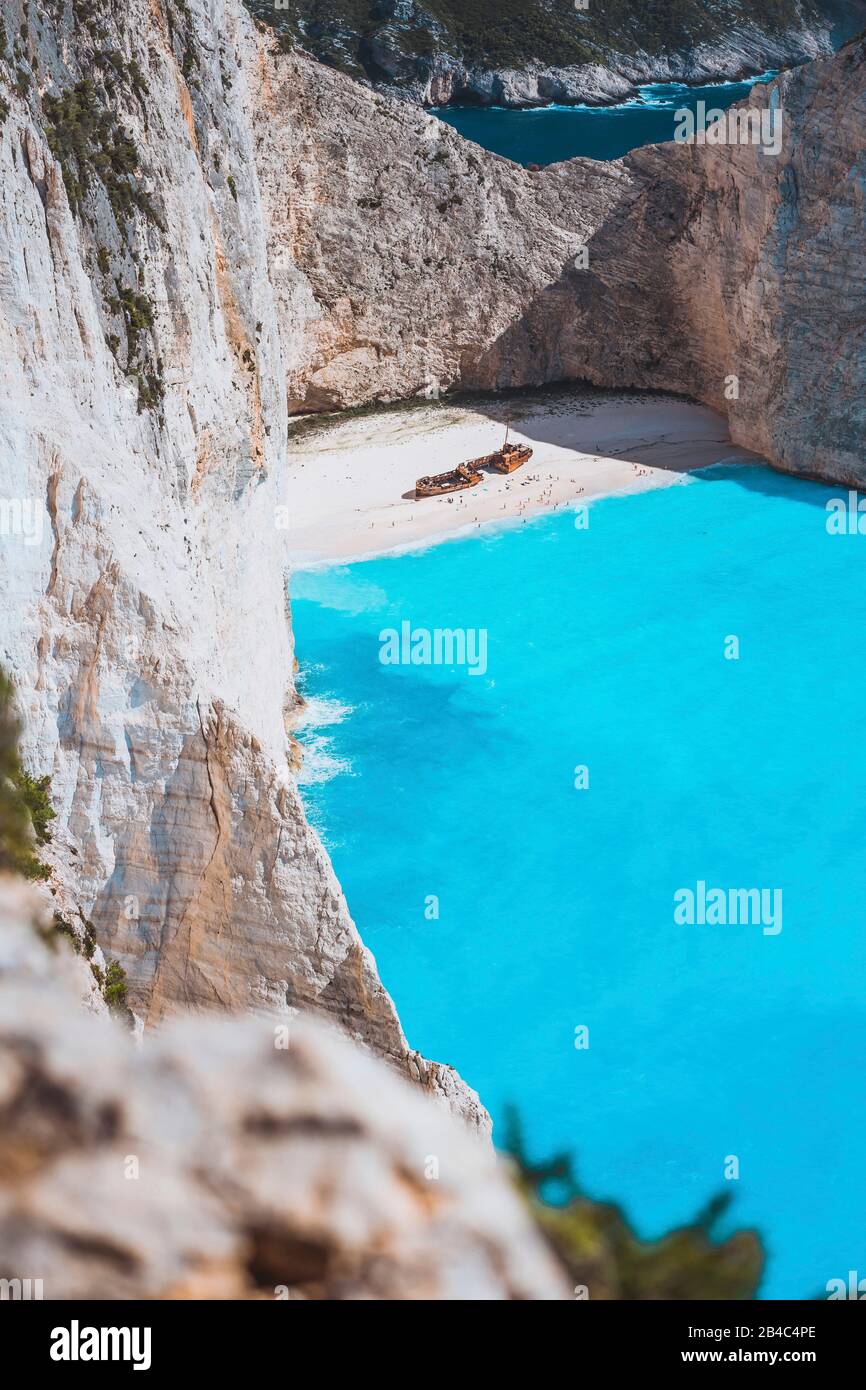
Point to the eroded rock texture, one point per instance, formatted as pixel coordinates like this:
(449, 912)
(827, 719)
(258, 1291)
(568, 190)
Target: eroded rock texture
(728, 262)
(224, 1159)
(399, 252)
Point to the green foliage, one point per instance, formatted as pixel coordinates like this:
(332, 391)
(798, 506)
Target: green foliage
(136, 309)
(603, 1254)
(511, 33)
(34, 792)
(93, 150)
(89, 144)
(499, 34)
(83, 945)
(64, 928)
(151, 389)
(112, 981)
(114, 992)
(86, 14)
(25, 809)
(120, 73)
(137, 312)
(89, 942)
(31, 866)
(115, 989)
(136, 79)
(178, 17)
(233, 188)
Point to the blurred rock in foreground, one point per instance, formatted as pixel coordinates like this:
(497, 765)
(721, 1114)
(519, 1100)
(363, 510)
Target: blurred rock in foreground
(232, 1158)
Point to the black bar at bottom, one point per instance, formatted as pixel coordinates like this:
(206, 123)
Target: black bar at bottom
(252, 1337)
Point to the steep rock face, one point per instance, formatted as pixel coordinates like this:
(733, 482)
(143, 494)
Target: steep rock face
(446, 78)
(730, 263)
(399, 252)
(233, 1158)
(143, 611)
(420, 262)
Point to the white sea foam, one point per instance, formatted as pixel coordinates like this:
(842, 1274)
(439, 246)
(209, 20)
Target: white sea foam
(320, 762)
(322, 711)
(654, 95)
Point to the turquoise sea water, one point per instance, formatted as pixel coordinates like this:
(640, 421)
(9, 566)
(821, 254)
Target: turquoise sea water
(606, 649)
(551, 133)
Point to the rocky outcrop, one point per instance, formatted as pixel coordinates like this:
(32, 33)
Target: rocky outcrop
(419, 262)
(739, 278)
(399, 252)
(537, 52)
(230, 1159)
(143, 609)
(447, 80)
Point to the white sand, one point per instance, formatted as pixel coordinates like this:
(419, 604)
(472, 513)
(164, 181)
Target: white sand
(345, 490)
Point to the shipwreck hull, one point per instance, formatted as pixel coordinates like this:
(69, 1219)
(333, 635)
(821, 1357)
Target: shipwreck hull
(455, 481)
(505, 460)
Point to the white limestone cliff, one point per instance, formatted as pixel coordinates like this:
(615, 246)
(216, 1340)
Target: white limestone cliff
(146, 624)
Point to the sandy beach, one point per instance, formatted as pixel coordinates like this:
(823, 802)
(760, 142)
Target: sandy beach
(350, 484)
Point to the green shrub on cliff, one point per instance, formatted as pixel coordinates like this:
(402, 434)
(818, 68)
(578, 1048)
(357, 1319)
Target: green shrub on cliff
(94, 152)
(111, 982)
(604, 1256)
(25, 807)
(85, 138)
(35, 793)
(83, 945)
(115, 992)
(115, 986)
(14, 821)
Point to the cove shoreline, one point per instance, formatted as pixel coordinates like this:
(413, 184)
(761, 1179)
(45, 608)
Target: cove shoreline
(625, 101)
(349, 492)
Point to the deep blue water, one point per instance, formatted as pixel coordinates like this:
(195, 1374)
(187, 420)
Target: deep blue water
(551, 133)
(606, 649)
